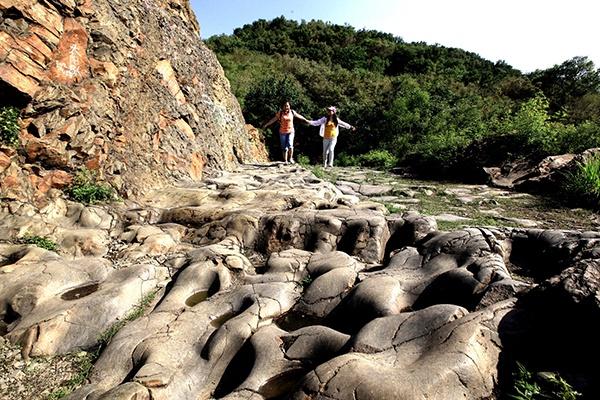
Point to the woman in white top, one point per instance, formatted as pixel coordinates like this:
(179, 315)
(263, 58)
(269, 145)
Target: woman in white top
(329, 132)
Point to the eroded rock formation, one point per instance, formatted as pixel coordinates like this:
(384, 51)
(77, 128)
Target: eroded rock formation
(274, 284)
(122, 87)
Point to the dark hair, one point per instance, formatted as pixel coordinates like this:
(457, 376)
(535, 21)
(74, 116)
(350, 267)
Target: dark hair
(284, 103)
(333, 118)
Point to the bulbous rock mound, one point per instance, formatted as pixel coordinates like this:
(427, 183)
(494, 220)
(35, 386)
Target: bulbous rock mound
(270, 283)
(126, 88)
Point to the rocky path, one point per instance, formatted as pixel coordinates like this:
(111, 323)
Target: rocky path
(269, 283)
(455, 205)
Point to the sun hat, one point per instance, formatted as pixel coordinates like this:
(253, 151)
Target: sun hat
(331, 108)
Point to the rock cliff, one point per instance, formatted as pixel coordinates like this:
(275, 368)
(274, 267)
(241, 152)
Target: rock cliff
(126, 88)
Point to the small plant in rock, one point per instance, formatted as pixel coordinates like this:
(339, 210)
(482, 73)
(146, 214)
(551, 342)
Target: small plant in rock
(303, 160)
(318, 172)
(546, 385)
(86, 188)
(9, 125)
(306, 281)
(393, 208)
(583, 185)
(40, 241)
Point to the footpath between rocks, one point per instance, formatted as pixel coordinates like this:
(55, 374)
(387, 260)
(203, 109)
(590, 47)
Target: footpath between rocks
(268, 282)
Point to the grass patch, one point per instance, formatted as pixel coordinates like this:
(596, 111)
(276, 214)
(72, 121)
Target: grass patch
(89, 358)
(86, 363)
(40, 241)
(548, 385)
(86, 188)
(327, 174)
(9, 125)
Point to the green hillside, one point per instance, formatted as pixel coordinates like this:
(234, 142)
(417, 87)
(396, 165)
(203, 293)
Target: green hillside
(439, 110)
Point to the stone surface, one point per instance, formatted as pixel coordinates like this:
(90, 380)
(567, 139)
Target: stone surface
(273, 284)
(126, 88)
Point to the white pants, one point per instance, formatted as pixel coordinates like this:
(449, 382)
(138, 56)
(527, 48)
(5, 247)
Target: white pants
(328, 146)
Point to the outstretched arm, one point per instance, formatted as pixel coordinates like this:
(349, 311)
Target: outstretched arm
(317, 122)
(301, 118)
(346, 125)
(270, 122)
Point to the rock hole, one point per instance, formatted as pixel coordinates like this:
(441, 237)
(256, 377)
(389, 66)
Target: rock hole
(349, 239)
(33, 130)
(80, 292)
(12, 96)
(196, 298)
(10, 315)
(326, 206)
(202, 295)
(237, 371)
(294, 320)
(215, 323)
(281, 384)
(215, 286)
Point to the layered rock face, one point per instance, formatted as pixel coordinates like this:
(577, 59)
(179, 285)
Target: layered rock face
(122, 87)
(273, 284)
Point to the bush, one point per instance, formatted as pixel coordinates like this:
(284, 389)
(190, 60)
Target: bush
(346, 160)
(86, 189)
(378, 159)
(583, 185)
(9, 125)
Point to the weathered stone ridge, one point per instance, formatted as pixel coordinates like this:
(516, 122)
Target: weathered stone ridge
(270, 283)
(123, 87)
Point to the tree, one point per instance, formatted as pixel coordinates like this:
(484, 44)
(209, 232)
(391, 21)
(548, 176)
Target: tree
(570, 80)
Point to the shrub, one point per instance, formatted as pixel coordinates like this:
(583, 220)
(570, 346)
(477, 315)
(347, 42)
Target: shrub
(346, 160)
(583, 185)
(378, 159)
(9, 125)
(86, 189)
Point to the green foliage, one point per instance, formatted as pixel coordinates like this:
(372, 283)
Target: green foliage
(583, 185)
(85, 365)
(303, 160)
(439, 110)
(40, 241)
(86, 188)
(530, 386)
(570, 80)
(306, 281)
(318, 172)
(378, 159)
(87, 359)
(347, 160)
(9, 125)
(393, 208)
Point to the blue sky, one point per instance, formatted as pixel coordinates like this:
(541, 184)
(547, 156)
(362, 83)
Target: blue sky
(527, 34)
